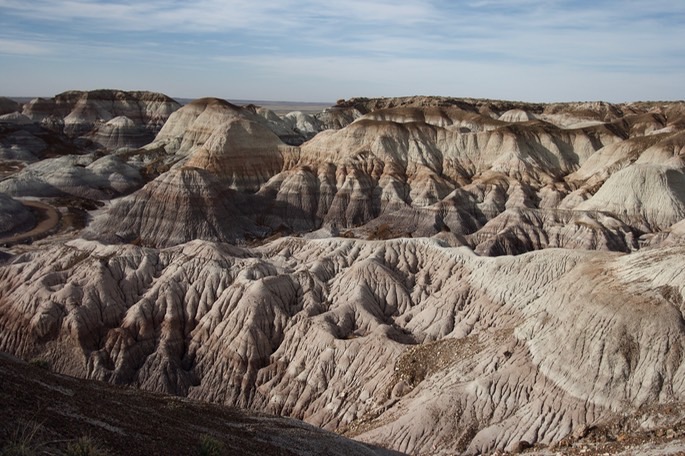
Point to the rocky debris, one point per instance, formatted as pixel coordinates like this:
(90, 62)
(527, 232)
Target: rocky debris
(402, 343)
(86, 114)
(125, 421)
(652, 430)
(79, 175)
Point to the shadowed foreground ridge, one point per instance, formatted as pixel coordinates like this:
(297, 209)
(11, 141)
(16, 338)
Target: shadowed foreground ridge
(430, 275)
(44, 413)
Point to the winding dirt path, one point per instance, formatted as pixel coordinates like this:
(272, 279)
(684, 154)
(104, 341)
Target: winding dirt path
(48, 218)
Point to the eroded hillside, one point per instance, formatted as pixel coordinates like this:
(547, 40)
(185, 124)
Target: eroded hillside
(432, 275)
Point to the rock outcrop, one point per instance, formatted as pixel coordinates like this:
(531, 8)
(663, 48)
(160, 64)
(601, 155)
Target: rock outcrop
(120, 132)
(211, 196)
(243, 154)
(183, 204)
(649, 197)
(192, 125)
(23, 141)
(457, 168)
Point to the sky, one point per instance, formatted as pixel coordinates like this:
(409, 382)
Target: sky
(321, 51)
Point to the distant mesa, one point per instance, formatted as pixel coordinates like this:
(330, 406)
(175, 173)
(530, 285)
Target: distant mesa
(81, 114)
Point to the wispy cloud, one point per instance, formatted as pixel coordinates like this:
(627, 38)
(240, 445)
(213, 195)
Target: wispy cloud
(605, 38)
(19, 47)
(218, 15)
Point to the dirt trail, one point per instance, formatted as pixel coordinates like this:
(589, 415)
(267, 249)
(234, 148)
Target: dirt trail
(48, 218)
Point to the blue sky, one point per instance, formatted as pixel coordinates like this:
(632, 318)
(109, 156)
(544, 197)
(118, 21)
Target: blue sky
(310, 50)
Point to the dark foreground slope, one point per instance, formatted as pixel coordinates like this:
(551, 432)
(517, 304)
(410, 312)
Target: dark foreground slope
(46, 413)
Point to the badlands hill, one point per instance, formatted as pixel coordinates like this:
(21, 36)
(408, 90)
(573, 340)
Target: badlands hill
(427, 274)
(453, 170)
(62, 145)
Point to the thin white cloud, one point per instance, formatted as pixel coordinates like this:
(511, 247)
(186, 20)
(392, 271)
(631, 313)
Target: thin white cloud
(404, 43)
(19, 47)
(218, 15)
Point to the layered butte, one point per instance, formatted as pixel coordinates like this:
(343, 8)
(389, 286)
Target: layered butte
(111, 118)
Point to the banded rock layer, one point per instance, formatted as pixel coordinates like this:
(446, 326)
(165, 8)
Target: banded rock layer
(185, 203)
(223, 158)
(498, 187)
